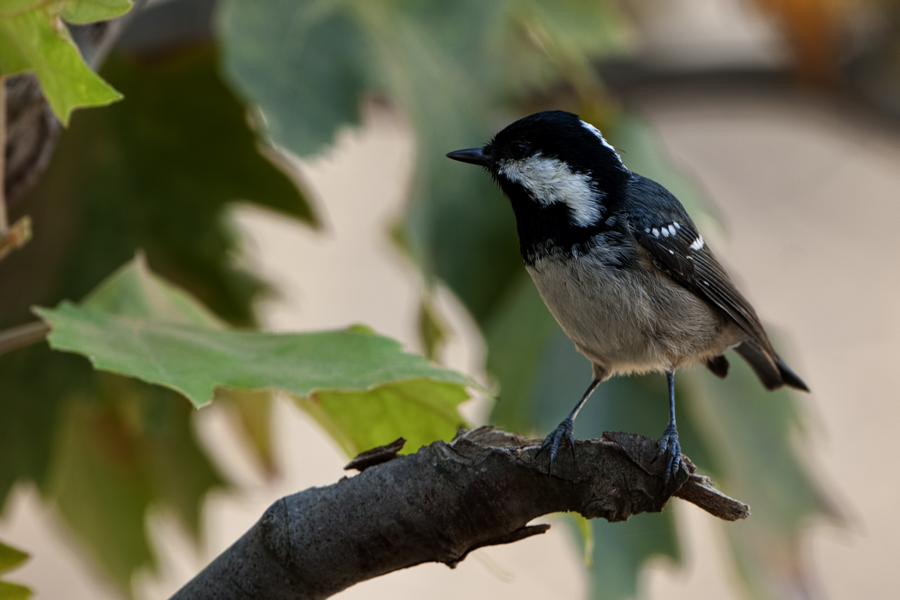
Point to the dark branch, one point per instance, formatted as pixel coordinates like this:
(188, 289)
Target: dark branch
(437, 505)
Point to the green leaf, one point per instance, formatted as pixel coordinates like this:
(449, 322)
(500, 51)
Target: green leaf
(10, 558)
(421, 410)
(13, 591)
(194, 360)
(11, 8)
(319, 74)
(36, 40)
(133, 291)
(80, 12)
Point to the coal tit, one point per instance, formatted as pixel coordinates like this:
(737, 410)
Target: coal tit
(620, 264)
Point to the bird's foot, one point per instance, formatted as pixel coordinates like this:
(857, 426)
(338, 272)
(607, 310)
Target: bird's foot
(565, 432)
(671, 450)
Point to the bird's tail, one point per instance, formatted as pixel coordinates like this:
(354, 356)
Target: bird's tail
(771, 370)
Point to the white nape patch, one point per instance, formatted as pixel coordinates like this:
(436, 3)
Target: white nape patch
(697, 244)
(550, 180)
(600, 137)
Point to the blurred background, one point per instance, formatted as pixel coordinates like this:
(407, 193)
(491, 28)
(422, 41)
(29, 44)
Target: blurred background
(284, 162)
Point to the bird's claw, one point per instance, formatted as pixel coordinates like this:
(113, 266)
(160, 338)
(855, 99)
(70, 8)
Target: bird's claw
(671, 449)
(565, 431)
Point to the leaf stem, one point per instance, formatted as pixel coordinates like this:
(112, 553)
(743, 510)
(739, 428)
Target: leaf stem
(23, 335)
(4, 223)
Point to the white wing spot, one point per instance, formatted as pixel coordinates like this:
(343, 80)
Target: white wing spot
(646, 230)
(672, 231)
(697, 244)
(655, 232)
(664, 231)
(676, 224)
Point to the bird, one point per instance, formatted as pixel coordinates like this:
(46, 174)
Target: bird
(621, 266)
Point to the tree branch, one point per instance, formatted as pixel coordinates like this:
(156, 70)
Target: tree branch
(437, 505)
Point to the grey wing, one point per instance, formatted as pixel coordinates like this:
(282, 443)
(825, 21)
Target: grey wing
(678, 250)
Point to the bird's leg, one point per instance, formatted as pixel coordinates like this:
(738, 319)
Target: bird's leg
(668, 443)
(566, 428)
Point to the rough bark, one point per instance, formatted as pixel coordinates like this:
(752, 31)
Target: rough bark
(438, 505)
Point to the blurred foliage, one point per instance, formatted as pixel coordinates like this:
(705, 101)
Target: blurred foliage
(10, 558)
(754, 435)
(459, 72)
(445, 66)
(157, 172)
(126, 448)
(32, 38)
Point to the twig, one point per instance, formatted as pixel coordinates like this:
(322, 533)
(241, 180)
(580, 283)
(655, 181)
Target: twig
(438, 505)
(22, 335)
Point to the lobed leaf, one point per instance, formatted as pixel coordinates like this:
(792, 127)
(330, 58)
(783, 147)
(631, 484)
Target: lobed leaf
(139, 326)
(32, 38)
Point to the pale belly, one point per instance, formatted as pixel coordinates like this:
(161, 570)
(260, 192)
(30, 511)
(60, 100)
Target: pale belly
(624, 325)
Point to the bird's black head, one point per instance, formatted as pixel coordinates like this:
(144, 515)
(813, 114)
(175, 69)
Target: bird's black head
(561, 176)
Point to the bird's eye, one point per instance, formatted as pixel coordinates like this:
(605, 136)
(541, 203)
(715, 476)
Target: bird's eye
(520, 149)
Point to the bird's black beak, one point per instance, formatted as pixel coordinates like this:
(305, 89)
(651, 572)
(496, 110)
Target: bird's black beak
(473, 156)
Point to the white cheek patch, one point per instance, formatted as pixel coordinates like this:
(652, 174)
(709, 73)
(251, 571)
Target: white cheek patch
(600, 137)
(549, 181)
